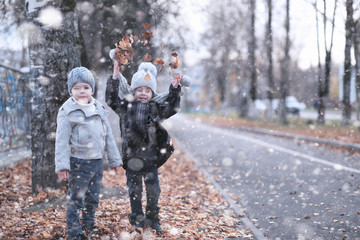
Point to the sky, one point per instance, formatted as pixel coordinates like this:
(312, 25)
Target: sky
(302, 30)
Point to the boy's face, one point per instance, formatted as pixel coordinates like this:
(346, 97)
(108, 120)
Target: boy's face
(82, 92)
(143, 94)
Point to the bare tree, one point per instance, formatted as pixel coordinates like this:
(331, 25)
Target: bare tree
(323, 84)
(356, 39)
(252, 60)
(349, 28)
(221, 39)
(284, 82)
(269, 114)
(54, 50)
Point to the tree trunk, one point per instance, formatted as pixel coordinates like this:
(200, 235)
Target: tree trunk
(322, 89)
(349, 26)
(53, 52)
(324, 83)
(252, 48)
(357, 65)
(284, 84)
(269, 114)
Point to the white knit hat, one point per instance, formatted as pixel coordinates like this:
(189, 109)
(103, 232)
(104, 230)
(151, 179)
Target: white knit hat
(145, 76)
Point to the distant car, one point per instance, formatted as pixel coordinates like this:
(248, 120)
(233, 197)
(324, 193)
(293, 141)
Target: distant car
(293, 106)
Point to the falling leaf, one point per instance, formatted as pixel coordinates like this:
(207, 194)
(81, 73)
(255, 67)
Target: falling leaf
(147, 57)
(174, 65)
(124, 50)
(159, 61)
(174, 54)
(147, 34)
(146, 25)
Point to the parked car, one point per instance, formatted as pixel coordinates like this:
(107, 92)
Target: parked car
(293, 106)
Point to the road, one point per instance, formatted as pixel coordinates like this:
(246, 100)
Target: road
(287, 188)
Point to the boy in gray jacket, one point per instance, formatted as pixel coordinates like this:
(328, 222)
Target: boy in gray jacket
(83, 136)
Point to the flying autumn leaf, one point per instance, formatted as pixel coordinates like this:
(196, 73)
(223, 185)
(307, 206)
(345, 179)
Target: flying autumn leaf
(124, 50)
(161, 62)
(174, 65)
(147, 57)
(146, 25)
(147, 34)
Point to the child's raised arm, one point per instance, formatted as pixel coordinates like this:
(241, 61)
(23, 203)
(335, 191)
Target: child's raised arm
(175, 82)
(116, 72)
(123, 84)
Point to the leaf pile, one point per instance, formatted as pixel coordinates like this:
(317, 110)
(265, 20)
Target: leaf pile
(191, 208)
(124, 50)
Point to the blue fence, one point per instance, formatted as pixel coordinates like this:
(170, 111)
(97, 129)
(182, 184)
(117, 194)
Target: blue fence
(14, 108)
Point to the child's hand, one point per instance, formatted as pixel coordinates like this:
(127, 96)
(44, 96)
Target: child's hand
(63, 175)
(175, 82)
(116, 70)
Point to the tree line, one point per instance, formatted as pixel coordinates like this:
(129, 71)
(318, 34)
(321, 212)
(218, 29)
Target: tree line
(247, 63)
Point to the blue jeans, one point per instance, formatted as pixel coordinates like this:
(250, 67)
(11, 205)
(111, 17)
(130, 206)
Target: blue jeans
(135, 188)
(85, 178)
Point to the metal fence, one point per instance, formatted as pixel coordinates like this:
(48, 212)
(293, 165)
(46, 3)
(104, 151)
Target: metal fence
(14, 108)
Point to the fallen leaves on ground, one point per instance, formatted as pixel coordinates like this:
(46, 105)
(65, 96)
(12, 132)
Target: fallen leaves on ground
(191, 208)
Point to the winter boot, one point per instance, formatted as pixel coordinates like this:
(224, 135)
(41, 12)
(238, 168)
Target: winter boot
(137, 220)
(152, 220)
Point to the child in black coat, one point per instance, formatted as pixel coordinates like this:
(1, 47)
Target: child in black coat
(146, 144)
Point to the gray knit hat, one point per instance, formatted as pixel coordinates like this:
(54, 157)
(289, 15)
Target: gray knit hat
(145, 76)
(80, 75)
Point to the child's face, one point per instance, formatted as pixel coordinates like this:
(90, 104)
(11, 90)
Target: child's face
(143, 94)
(82, 92)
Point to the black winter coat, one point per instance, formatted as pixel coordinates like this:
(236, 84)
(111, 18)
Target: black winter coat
(135, 119)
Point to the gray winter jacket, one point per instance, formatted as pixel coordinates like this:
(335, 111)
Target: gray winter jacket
(84, 134)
